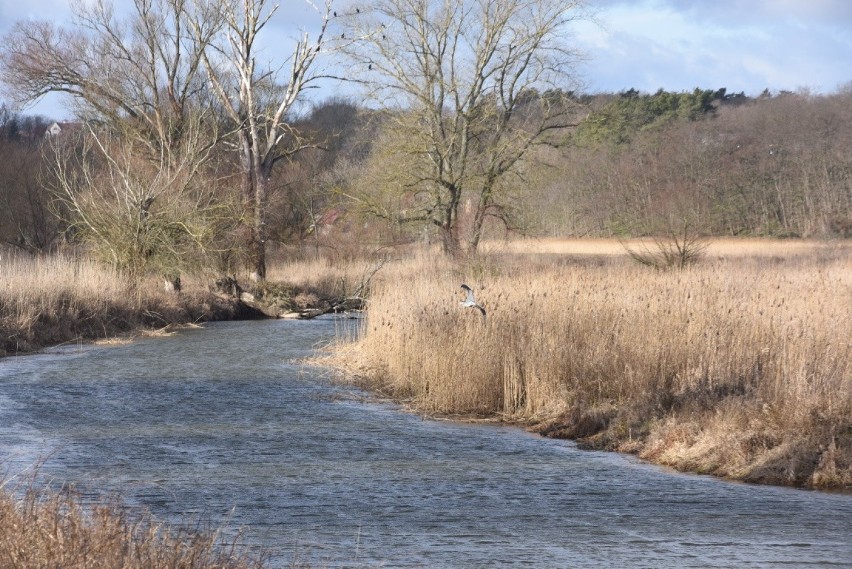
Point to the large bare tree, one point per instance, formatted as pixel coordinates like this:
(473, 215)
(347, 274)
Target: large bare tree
(146, 123)
(258, 100)
(140, 73)
(150, 73)
(475, 86)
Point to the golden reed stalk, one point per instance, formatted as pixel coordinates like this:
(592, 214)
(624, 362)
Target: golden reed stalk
(55, 299)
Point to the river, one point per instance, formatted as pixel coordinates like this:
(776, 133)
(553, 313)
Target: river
(225, 426)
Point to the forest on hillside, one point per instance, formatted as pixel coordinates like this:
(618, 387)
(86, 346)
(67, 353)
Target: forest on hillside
(635, 164)
(186, 152)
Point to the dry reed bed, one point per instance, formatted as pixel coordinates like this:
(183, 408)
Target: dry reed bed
(323, 274)
(739, 367)
(312, 281)
(52, 529)
(54, 299)
(725, 247)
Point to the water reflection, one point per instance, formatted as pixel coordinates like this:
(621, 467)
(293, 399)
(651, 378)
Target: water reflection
(222, 425)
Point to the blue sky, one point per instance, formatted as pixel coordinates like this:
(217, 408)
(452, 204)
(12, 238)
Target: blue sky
(743, 45)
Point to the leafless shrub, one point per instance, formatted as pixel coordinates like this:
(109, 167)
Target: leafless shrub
(678, 251)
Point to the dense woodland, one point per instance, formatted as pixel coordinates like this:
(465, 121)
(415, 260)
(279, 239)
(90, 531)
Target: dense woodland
(636, 164)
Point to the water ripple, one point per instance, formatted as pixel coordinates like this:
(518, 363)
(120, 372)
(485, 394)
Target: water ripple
(221, 426)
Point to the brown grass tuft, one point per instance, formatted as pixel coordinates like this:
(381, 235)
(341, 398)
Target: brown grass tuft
(53, 529)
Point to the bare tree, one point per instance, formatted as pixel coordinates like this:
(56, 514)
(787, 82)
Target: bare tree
(682, 247)
(139, 214)
(140, 74)
(257, 102)
(475, 85)
(145, 118)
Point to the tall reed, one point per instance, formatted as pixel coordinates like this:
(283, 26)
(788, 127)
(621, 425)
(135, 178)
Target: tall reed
(614, 350)
(49, 300)
(53, 299)
(41, 528)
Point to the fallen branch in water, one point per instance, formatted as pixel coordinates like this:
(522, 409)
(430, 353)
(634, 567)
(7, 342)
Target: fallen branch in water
(355, 302)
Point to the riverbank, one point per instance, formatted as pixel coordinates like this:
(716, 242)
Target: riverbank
(54, 300)
(738, 366)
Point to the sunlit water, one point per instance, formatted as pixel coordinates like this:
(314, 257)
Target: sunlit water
(223, 426)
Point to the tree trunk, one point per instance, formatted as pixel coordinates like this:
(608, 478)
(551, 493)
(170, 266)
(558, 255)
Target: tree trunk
(171, 282)
(257, 257)
(450, 241)
(257, 251)
(476, 232)
(479, 219)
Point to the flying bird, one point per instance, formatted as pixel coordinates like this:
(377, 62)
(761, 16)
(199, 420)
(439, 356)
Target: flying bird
(470, 301)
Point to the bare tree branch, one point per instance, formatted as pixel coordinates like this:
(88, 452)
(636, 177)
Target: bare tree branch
(260, 120)
(476, 86)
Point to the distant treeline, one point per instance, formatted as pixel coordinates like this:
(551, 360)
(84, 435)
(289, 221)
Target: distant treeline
(633, 164)
(726, 164)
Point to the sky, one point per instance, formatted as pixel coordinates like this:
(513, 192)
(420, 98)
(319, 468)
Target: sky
(743, 45)
(677, 45)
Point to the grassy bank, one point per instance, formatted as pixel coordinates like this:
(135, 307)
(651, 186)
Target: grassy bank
(52, 300)
(739, 366)
(41, 528)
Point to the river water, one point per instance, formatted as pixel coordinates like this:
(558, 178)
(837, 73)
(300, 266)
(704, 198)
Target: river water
(224, 426)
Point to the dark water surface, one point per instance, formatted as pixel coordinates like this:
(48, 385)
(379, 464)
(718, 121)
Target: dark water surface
(222, 425)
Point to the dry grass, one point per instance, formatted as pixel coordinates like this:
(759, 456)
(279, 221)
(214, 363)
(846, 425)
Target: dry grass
(55, 299)
(740, 366)
(52, 300)
(324, 277)
(719, 248)
(53, 529)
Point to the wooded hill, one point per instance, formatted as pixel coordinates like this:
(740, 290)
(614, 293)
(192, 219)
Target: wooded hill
(631, 164)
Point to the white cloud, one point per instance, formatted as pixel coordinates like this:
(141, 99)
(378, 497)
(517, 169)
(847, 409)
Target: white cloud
(744, 46)
(732, 13)
(14, 10)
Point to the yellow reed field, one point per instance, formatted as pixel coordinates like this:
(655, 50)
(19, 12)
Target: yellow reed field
(323, 275)
(716, 247)
(43, 296)
(28, 282)
(632, 358)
